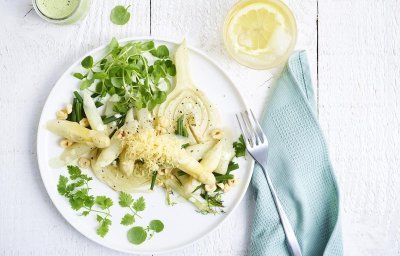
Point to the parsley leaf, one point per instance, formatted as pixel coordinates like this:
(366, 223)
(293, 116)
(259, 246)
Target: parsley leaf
(125, 199)
(104, 227)
(240, 147)
(76, 190)
(62, 185)
(139, 205)
(135, 206)
(104, 202)
(128, 219)
(232, 166)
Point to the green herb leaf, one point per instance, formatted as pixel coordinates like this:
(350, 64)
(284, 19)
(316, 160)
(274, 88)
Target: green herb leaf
(100, 75)
(79, 76)
(125, 199)
(104, 227)
(86, 84)
(104, 202)
(156, 225)
(62, 185)
(128, 219)
(120, 15)
(137, 235)
(240, 147)
(99, 218)
(232, 166)
(113, 44)
(161, 52)
(74, 172)
(139, 205)
(87, 62)
(185, 145)
(225, 177)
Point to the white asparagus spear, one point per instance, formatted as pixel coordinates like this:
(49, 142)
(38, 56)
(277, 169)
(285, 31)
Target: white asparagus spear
(77, 133)
(212, 157)
(190, 165)
(92, 113)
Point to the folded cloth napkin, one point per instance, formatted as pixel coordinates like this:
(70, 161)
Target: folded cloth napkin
(301, 172)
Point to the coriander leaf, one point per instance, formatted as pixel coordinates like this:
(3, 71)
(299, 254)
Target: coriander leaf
(156, 225)
(99, 218)
(125, 199)
(79, 76)
(89, 201)
(62, 185)
(240, 147)
(139, 205)
(85, 213)
(128, 219)
(87, 62)
(104, 228)
(76, 203)
(232, 166)
(74, 172)
(104, 202)
(120, 15)
(137, 235)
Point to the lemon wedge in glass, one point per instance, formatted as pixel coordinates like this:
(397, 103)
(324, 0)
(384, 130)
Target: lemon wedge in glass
(260, 34)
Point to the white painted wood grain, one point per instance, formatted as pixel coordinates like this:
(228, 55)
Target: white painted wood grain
(359, 69)
(33, 54)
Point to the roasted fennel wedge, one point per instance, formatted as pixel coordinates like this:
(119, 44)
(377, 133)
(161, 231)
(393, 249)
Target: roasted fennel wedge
(188, 101)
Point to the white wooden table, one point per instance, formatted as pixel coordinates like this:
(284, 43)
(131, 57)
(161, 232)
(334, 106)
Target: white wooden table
(354, 54)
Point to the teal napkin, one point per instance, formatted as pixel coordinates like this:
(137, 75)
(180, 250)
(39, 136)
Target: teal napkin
(300, 169)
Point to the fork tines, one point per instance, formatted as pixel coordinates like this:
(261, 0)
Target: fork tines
(253, 134)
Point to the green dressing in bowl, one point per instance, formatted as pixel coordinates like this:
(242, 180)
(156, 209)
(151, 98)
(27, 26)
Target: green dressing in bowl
(57, 9)
(61, 11)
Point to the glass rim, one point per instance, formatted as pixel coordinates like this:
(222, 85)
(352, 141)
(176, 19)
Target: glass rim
(44, 16)
(281, 58)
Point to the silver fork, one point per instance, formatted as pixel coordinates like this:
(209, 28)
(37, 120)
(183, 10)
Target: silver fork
(257, 146)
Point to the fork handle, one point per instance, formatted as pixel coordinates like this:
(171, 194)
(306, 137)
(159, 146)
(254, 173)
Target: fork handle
(291, 239)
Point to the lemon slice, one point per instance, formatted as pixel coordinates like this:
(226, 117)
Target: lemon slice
(253, 27)
(259, 32)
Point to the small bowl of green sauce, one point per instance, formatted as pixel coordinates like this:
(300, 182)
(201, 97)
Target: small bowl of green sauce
(61, 11)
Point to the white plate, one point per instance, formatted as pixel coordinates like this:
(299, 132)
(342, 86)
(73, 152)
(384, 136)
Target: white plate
(183, 225)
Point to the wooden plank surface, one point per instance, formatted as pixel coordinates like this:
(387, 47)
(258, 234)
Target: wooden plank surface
(358, 75)
(359, 69)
